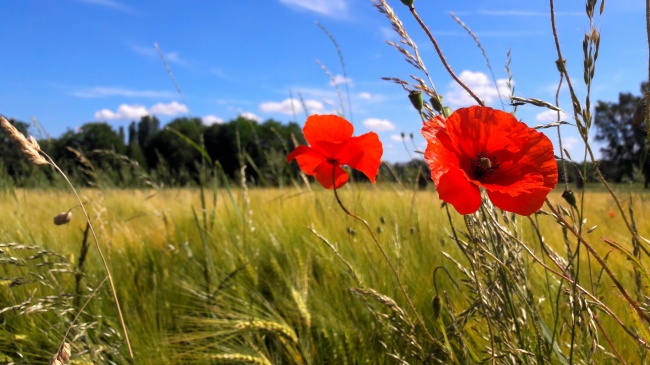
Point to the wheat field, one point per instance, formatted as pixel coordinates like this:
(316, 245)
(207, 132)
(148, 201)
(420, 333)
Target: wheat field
(254, 276)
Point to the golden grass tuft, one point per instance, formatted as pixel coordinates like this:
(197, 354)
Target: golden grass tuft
(28, 145)
(239, 359)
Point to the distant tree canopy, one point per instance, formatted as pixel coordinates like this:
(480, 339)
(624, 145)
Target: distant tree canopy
(622, 128)
(146, 153)
(97, 153)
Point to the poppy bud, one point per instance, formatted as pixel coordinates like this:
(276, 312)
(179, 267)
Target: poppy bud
(569, 197)
(436, 103)
(408, 3)
(63, 218)
(446, 111)
(436, 306)
(416, 99)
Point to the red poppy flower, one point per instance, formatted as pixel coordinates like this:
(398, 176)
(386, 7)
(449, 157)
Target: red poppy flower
(481, 146)
(331, 146)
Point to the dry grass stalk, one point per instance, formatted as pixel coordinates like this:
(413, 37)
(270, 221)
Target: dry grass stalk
(61, 356)
(28, 145)
(33, 151)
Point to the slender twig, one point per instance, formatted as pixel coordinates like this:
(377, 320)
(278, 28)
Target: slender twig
(609, 341)
(65, 336)
(561, 63)
(171, 74)
(383, 252)
(345, 73)
(559, 136)
(442, 57)
(565, 276)
(485, 56)
(101, 254)
(600, 260)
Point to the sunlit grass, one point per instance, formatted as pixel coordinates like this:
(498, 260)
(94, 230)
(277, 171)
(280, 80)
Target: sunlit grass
(284, 273)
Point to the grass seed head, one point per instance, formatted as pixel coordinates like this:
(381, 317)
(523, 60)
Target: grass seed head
(61, 356)
(29, 146)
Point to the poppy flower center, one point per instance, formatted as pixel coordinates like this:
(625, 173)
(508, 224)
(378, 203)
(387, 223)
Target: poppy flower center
(484, 165)
(332, 161)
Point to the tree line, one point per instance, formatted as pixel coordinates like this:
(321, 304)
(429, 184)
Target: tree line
(148, 154)
(185, 151)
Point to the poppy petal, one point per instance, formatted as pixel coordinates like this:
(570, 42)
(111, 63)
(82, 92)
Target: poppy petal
(308, 159)
(329, 149)
(522, 204)
(330, 128)
(524, 197)
(432, 127)
(363, 153)
(455, 189)
(535, 156)
(324, 175)
(438, 156)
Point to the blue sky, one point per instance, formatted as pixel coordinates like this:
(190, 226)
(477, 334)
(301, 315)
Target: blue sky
(68, 62)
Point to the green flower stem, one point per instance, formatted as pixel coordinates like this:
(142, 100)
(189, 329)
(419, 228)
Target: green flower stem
(383, 252)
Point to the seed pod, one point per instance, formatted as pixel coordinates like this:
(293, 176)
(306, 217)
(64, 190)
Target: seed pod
(416, 99)
(569, 197)
(436, 303)
(436, 103)
(63, 218)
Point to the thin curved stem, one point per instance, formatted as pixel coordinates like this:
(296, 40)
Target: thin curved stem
(101, 255)
(384, 254)
(600, 260)
(442, 57)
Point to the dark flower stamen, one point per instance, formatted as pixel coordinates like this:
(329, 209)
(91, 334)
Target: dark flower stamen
(483, 166)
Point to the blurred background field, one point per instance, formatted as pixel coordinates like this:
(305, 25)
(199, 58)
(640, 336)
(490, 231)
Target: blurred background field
(254, 279)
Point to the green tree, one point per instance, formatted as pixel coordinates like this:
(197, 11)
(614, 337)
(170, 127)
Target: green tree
(12, 159)
(181, 158)
(133, 149)
(625, 137)
(148, 128)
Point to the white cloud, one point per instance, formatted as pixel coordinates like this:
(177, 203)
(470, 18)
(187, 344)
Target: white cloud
(173, 108)
(569, 142)
(379, 125)
(136, 111)
(102, 92)
(286, 106)
(250, 116)
(480, 84)
(550, 116)
(396, 138)
(333, 8)
(365, 96)
(212, 119)
(340, 80)
(290, 106)
(124, 112)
